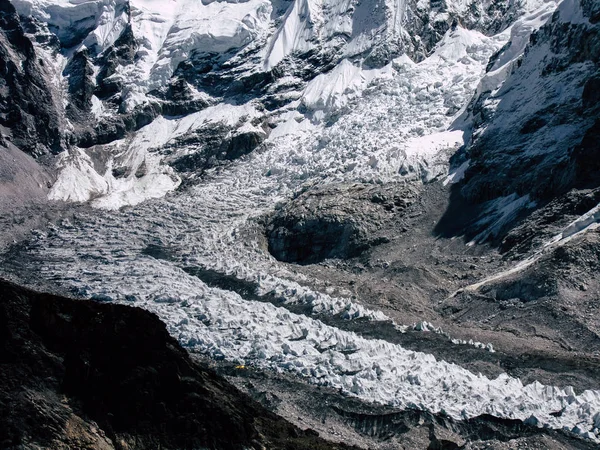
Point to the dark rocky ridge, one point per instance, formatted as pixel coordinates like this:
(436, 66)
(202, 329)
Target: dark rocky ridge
(79, 374)
(27, 106)
(380, 427)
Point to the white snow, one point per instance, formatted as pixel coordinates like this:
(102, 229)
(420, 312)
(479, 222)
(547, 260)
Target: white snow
(213, 27)
(171, 31)
(78, 181)
(498, 213)
(367, 143)
(97, 107)
(520, 33)
(571, 12)
(299, 27)
(334, 89)
(421, 150)
(105, 18)
(457, 174)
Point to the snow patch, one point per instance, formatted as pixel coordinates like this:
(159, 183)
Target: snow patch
(571, 12)
(508, 58)
(171, 31)
(334, 89)
(587, 222)
(298, 29)
(457, 174)
(143, 175)
(498, 213)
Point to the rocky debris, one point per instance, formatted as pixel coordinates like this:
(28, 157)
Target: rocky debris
(23, 182)
(225, 75)
(413, 277)
(27, 106)
(555, 298)
(78, 374)
(547, 221)
(492, 16)
(336, 221)
(114, 127)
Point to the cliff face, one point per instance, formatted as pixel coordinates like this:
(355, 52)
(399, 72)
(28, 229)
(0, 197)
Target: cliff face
(78, 374)
(29, 114)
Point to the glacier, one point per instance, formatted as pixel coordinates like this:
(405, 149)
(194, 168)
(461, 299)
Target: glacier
(366, 119)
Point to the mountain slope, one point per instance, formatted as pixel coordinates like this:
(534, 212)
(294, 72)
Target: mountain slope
(125, 63)
(85, 375)
(533, 137)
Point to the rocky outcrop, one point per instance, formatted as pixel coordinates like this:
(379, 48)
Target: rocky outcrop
(207, 148)
(339, 221)
(80, 73)
(79, 374)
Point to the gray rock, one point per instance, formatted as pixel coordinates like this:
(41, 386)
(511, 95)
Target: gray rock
(339, 221)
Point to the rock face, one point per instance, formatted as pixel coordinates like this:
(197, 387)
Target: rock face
(211, 147)
(29, 112)
(78, 374)
(535, 133)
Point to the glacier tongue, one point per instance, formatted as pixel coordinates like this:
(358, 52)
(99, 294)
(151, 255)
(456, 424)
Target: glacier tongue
(222, 325)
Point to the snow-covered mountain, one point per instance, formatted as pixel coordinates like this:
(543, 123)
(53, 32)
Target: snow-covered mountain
(115, 66)
(218, 143)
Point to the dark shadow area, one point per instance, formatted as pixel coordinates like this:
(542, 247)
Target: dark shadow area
(458, 217)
